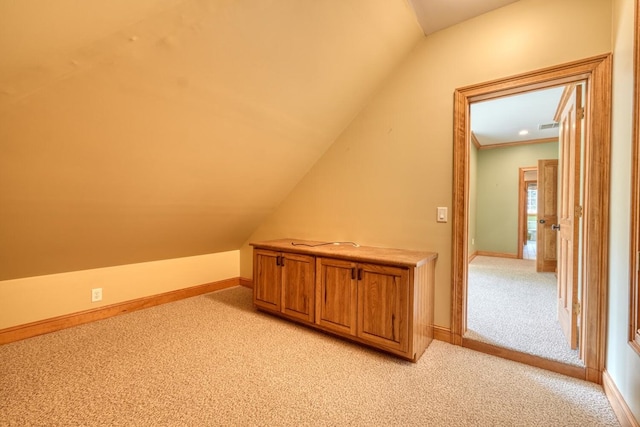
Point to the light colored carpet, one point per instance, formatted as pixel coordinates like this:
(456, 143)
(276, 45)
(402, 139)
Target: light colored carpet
(213, 360)
(512, 306)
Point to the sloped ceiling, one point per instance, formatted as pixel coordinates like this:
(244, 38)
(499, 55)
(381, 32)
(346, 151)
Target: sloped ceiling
(154, 129)
(435, 15)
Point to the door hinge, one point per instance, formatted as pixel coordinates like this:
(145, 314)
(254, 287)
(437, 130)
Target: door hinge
(576, 308)
(578, 211)
(581, 113)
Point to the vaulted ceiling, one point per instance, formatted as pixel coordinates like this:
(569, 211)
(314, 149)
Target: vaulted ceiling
(435, 15)
(141, 130)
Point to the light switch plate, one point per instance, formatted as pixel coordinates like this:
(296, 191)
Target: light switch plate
(442, 214)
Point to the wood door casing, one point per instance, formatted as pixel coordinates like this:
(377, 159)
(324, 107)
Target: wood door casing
(570, 117)
(596, 72)
(266, 281)
(383, 305)
(336, 295)
(547, 248)
(298, 296)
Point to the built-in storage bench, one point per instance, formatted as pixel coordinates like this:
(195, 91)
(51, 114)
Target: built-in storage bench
(375, 296)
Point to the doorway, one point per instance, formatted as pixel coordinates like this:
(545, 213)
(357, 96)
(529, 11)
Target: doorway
(596, 72)
(512, 303)
(527, 212)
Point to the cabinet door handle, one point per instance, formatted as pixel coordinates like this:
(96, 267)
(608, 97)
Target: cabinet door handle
(278, 260)
(393, 327)
(353, 273)
(359, 274)
(282, 261)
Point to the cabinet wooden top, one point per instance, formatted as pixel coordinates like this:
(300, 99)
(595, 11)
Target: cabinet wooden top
(401, 257)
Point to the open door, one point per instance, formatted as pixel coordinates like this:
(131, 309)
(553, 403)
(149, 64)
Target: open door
(570, 114)
(547, 249)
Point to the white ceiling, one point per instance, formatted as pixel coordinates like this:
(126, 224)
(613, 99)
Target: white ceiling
(435, 15)
(499, 121)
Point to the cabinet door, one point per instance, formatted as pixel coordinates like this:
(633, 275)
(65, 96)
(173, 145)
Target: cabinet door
(297, 286)
(266, 279)
(383, 305)
(336, 298)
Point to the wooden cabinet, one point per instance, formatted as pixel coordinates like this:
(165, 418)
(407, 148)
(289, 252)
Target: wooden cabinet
(336, 295)
(284, 282)
(383, 305)
(267, 285)
(375, 296)
(368, 301)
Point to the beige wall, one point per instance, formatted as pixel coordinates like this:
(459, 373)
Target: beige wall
(622, 363)
(36, 298)
(381, 181)
(498, 193)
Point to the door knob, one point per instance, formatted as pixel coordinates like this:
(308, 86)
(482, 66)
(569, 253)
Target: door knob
(542, 221)
(555, 227)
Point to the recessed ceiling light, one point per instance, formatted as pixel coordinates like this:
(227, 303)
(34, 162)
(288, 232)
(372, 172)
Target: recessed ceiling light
(523, 132)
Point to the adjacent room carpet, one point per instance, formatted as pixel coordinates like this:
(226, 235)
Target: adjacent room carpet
(213, 360)
(510, 305)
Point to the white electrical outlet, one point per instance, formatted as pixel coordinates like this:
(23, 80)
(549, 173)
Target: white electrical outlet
(96, 294)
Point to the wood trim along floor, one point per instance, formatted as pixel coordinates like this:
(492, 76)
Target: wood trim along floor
(527, 359)
(620, 407)
(247, 283)
(28, 330)
(442, 334)
(496, 254)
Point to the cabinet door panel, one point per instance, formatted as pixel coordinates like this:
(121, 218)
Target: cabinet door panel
(297, 286)
(383, 305)
(336, 299)
(266, 280)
